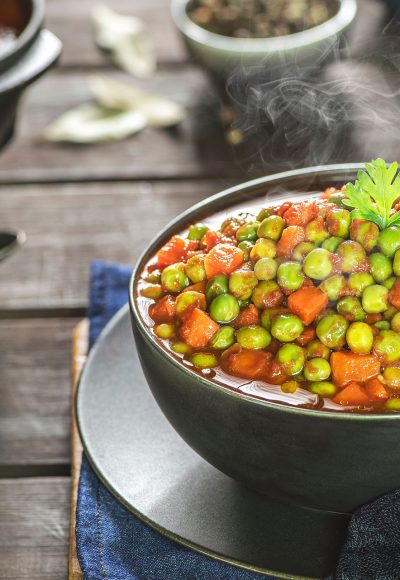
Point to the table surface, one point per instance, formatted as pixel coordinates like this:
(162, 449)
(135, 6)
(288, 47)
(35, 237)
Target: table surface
(106, 202)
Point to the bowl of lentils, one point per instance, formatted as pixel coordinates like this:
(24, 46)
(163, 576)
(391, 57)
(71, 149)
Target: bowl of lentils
(226, 34)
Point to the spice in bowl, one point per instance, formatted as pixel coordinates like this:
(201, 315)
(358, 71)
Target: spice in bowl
(260, 18)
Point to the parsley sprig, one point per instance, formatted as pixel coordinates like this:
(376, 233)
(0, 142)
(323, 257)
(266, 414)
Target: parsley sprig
(374, 193)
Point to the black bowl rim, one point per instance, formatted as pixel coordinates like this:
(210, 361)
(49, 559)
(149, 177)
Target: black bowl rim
(27, 36)
(180, 222)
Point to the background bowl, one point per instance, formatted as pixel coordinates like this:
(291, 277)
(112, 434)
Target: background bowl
(222, 55)
(31, 55)
(331, 461)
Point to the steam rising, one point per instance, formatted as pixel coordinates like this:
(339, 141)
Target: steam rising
(344, 110)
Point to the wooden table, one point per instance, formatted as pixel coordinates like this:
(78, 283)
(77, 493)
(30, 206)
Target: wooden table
(96, 202)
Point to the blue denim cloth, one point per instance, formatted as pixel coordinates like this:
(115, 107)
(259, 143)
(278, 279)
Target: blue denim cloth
(113, 544)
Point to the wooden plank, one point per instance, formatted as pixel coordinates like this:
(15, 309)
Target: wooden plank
(35, 394)
(71, 21)
(70, 225)
(196, 149)
(34, 516)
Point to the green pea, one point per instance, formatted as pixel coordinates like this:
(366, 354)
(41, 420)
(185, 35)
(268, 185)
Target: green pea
(359, 281)
(316, 349)
(352, 255)
(382, 325)
(389, 241)
(204, 360)
(267, 294)
(390, 313)
(265, 268)
(243, 303)
(268, 315)
(389, 283)
(318, 264)
(188, 299)
(164, 330)
(154, 277)
(316, 232)
(242, 283)
(396, 263)
(333, 286)
(271, 227)
(323, 388)
(224, 308)
(197, 231)
(253, 337)
(393, 405)
(289, 386)
(317, 369)
(286, 327)
(301, 251)
(350, 307)
(291, 358)
(195, 270)
(263, 248)
(181, 348)
(223, 338)
(174, 279)
(290, 276)
(247, 231)
(264, 213)
(375, 299)
(246, 247)
(395, 322)
(338, 222)
(387, 346)
(381, 267)
(360, 337)
(331, 330)
(331, 244)
(216, 286)
(153, 291)
(392, 377)
(366, 233)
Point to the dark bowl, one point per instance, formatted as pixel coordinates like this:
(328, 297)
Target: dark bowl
(326, 460)
(32, 54)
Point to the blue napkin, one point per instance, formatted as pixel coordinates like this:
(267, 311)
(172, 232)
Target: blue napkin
(113, 544)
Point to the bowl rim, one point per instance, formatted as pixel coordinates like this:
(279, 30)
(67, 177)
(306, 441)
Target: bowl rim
(180, 222)
(328, 29)
(27, 36)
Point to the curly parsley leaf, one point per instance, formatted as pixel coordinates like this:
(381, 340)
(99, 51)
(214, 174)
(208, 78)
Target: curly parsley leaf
(374, 193)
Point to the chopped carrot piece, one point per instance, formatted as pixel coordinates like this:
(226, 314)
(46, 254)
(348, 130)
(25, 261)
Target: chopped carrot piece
(307, 303)
(247, 317)
(375, 390)
(291, 237)
(306, 336)
(175, 250)
(248, 364)
(198, 329)
(353, 395)
(198, 287)
(394, 294)
(300, 213)
(164, 310)
(348, 366)
(223, 259)
(212, 238)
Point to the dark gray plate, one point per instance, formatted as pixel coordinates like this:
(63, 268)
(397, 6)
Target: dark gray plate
(149, 468)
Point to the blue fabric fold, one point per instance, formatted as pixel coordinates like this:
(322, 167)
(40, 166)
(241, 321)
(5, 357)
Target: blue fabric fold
(113, 544)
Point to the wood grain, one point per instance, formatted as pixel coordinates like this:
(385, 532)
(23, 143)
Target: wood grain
(196, 149)
(35, 396)
(68, 226)
(34, 528)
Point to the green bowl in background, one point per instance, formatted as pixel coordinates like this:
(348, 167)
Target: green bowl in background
(332, 461)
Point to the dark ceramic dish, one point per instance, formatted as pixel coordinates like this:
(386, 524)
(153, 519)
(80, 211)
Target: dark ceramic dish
(330, 461)
(34, 51)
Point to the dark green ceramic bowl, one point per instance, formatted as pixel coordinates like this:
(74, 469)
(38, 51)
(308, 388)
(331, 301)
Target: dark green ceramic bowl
(326, 460)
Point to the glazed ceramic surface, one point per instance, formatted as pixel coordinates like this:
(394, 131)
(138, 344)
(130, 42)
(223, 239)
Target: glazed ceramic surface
(150, 469)
(332, 461)
(222, 54)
